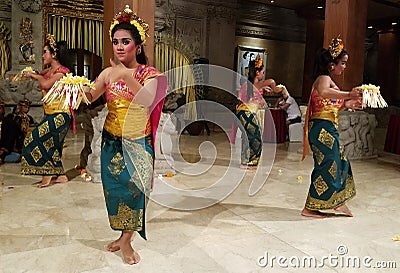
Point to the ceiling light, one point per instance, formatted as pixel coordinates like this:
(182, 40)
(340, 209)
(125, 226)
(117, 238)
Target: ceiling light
(394, 23)
(370, 27)
(272, 1)
(320, 7)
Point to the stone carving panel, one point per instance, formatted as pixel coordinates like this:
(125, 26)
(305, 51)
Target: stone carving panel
(32, 6)
(190, 31)
(356, 134)
(163, 16)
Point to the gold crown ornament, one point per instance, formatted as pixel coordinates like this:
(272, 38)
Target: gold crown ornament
(127, 15)
(335, 47)
(52, 41)
(259, 61)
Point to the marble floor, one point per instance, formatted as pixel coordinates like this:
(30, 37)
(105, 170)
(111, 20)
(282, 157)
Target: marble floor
(64, 228)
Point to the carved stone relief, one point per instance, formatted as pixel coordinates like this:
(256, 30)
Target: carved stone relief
(32, 6)
(26, 45)
(356, 134)
(221, 14)
(163, 15)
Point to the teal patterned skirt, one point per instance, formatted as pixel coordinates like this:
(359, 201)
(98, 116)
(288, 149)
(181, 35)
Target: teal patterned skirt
(42, 151)
(332, 181)
(126, 173)
(252, 148)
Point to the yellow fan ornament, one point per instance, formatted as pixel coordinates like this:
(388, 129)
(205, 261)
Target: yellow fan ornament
(72, 88)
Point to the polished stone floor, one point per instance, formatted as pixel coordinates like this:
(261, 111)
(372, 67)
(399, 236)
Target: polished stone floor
(64, 228)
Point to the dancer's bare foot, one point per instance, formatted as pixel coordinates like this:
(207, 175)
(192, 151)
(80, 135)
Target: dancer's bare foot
(46, 181)
(115, 245)
(60, 179)
(313, 213)
(345, 209)
(130, 256)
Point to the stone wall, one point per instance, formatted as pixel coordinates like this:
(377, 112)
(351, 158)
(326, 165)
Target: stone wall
(13, 13)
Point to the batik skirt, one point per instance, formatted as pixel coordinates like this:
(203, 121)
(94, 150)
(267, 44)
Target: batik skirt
(42, 151)
(332, 181)
(126, 173)
(252, 144)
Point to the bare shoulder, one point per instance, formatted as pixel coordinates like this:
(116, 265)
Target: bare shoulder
(104, 75)
(269, 81)
(322, 81)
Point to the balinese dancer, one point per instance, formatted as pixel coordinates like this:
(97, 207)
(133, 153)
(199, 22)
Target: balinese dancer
(42, 151)
(332, 183)
(134, 93)
(250, 112)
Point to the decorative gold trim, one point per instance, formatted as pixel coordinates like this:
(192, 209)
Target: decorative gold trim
(337, 199)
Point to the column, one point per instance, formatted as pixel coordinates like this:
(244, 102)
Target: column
(144, 9)
(314, 41)
(348, 18)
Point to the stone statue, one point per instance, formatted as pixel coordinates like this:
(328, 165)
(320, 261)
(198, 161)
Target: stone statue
(356, 134)
(93, 165)
(347, 136)
(164, 146)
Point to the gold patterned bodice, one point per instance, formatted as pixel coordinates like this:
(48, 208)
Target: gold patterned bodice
(324, 108)
(54, 106)
(124, 116)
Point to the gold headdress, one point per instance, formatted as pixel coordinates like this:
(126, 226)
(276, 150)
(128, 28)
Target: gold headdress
(127, 15)
(259, 61)
(335, 47)
(52, 41)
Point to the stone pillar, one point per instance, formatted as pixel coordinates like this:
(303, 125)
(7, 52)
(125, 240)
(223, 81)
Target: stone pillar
(388, 66)
(347, 18)
(144, 8)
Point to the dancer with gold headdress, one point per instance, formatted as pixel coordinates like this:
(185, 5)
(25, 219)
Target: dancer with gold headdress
(42, 150)
(134, 93)
(250, 112)
(332, 183)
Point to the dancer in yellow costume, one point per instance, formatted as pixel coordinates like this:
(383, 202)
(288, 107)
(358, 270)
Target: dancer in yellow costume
(134, 94)
(332, 183)
(42, 151)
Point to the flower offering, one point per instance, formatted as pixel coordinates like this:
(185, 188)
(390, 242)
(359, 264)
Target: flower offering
(372, 97)
(20, 75)
(72, 88)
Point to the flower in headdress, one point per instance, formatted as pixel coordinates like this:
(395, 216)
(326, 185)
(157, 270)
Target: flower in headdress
(335, 47)
(52, 41)
(127, 15)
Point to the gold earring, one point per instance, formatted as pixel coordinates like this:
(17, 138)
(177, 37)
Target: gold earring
(331, 67)
(138, 51)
